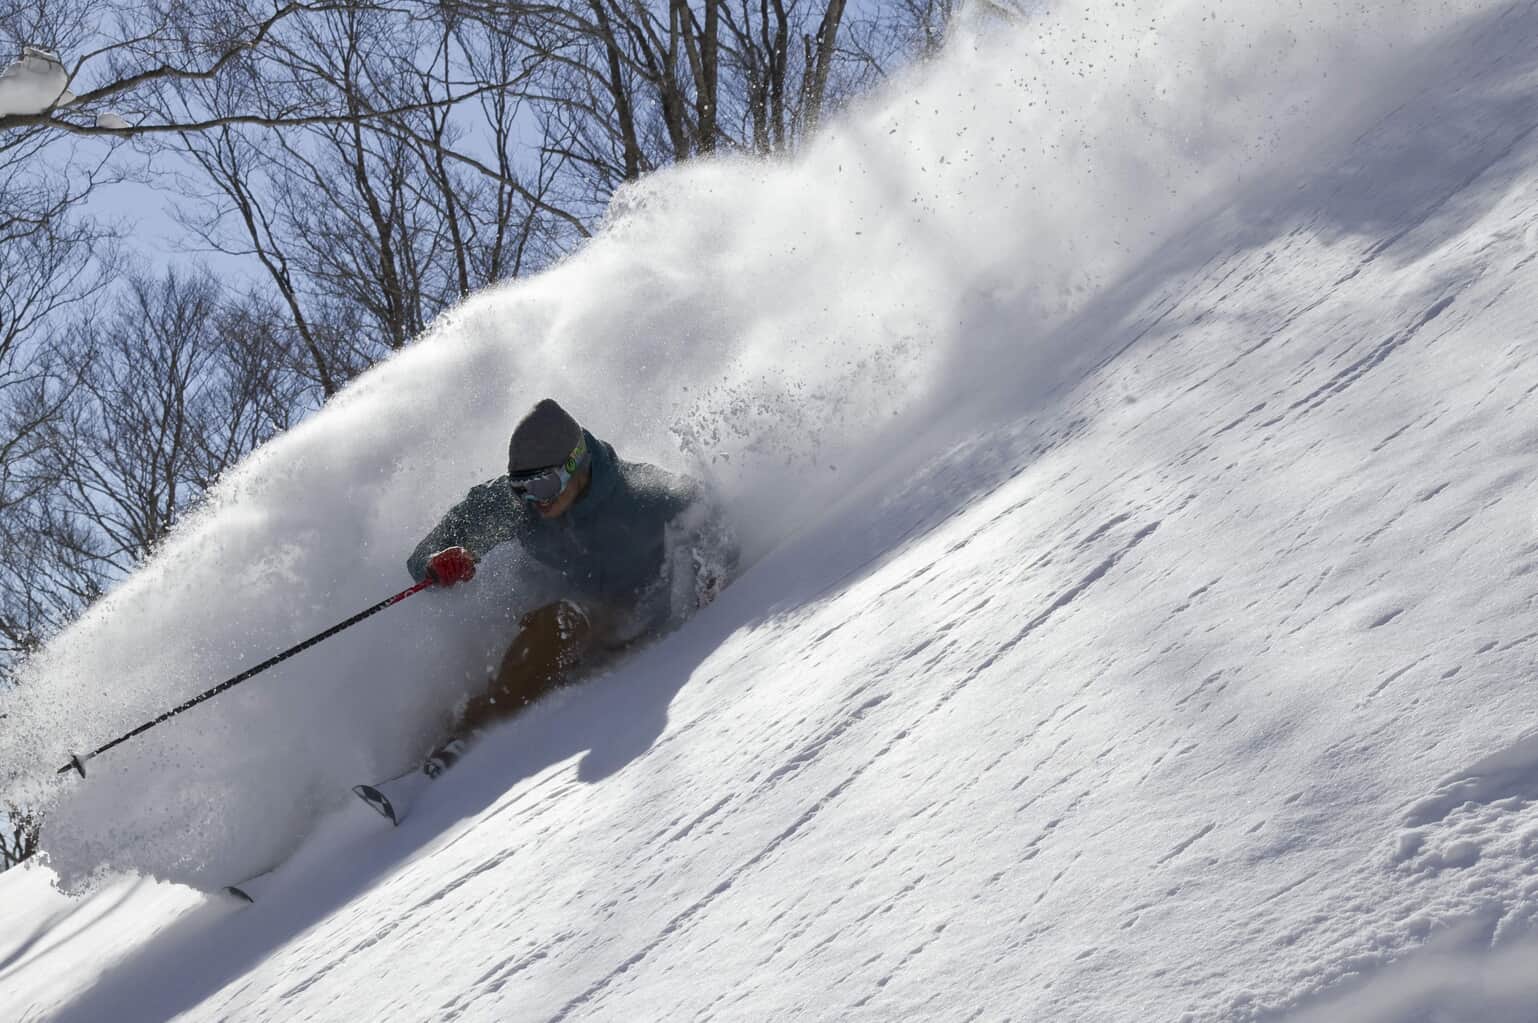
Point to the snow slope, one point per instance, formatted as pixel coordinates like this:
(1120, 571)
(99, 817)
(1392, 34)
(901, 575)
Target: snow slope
(1164, 656)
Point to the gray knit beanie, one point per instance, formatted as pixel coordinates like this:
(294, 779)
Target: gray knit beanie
(544, 437)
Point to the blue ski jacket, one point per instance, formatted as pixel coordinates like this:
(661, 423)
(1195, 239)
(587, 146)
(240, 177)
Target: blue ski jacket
(610, 550)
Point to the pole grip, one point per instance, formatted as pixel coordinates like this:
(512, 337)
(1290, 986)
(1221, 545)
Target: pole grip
(76, 763)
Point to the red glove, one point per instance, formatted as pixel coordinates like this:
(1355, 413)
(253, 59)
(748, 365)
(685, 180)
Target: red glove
(454, 565)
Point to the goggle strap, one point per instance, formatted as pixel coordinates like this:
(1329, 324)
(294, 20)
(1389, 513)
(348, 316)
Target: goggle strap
(578, 453)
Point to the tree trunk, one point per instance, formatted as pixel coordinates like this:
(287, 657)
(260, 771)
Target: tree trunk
(819, 62)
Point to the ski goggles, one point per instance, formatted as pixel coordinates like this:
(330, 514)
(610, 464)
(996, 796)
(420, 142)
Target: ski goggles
(544, 485)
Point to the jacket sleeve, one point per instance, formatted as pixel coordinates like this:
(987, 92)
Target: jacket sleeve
(484, 519)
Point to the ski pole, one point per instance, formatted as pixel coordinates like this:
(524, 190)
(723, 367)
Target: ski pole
(78, 761)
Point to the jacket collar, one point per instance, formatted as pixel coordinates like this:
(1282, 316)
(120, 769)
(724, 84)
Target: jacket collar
(601, 487)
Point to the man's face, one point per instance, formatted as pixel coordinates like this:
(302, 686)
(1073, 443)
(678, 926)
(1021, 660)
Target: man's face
(565, 499)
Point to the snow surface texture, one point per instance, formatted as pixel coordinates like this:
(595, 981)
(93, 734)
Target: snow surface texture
(1133, 423)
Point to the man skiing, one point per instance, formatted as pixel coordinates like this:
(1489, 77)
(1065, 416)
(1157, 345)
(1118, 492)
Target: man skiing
(614, 535)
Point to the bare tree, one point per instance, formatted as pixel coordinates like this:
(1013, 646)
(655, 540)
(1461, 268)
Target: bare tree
(368, 229)
(52, 262)
(176, 386)
(172, 70)
(250, 393)
(71, 519)
(373, 158)
(19, 832)
(625, 87)
(146, 49)
(913, 27)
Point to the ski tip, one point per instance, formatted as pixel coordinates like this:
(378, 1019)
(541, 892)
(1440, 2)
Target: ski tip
(378, 800)
(236, 892)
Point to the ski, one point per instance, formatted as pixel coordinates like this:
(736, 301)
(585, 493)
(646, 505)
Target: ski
(393, 797)
(237, 892)
(251, 889)
(378, 801)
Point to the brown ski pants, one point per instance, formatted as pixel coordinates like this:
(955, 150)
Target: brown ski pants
(552, 641)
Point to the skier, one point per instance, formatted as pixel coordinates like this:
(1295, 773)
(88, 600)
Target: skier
(610, 531)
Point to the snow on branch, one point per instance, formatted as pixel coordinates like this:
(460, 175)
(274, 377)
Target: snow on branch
(35, 90)
(34, 84)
